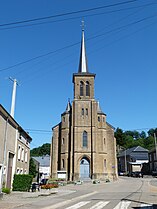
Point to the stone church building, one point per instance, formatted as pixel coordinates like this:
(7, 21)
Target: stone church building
(83, 143)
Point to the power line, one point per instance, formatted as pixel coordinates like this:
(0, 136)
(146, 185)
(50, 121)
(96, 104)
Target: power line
(124, 26)
(48, 131)
(40, 56)
(72, 18)
(68, 13)
(71, 45)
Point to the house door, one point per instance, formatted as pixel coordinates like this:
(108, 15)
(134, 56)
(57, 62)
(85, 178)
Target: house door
(9, 172)
(84, 168)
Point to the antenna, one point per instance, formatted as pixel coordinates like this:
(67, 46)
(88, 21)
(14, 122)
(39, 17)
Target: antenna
(15, 83)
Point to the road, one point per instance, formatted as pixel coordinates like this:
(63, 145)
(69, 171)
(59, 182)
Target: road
(126, 193)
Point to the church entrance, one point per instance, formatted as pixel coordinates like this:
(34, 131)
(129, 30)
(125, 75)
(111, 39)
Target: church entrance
(84, 168)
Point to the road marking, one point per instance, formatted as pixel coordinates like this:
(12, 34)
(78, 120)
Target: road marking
(78, 205)
(99, 205)
(146, 206)
(60, 204)
(122, 205)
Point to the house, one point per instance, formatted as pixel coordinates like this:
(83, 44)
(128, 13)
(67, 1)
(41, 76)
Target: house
(14, 149)
(153, 160)
(44, 166)
(132, 159)
(83, 144)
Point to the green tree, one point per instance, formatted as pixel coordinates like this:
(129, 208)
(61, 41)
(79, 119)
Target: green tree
(40, 151)
(32, 168)
(120, 137)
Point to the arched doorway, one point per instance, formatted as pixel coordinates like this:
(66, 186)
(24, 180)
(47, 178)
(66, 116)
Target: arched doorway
(84, 168)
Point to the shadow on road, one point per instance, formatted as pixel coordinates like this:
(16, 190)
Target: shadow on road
(147, 205)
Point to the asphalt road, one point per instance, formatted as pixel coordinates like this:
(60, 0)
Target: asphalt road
(126, 193)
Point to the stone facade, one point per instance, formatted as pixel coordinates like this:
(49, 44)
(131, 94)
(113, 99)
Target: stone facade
(83, 143)
(12, 160)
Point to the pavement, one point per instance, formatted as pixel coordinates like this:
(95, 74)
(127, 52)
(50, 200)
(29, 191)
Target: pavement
(16, 200)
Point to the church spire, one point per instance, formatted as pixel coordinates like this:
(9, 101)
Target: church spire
(83, 67)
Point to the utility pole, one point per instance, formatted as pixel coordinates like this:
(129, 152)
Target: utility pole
(125, 162)
(15, 83)
(155, 144)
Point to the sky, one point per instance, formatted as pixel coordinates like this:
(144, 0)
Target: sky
(121, 48)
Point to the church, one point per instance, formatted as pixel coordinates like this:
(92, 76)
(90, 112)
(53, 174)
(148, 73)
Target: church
(83, 143)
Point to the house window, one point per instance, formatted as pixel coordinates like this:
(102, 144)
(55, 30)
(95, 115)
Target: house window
(21, 171)
(87, 89)
(62, 163)
(63, 119)
(86, 111)
(84, 139)
(103, 119)
(81, 88)
(26, 156)
(82, 111)
(19, 152)
(98, 119)
(104, 141)
(104, 163)
(18, 171)
(22, 154)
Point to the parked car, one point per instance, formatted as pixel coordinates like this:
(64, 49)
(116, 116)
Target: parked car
(135, 174)
(154, 173)
(120, 173)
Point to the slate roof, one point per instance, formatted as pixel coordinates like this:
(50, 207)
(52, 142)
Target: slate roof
(138, 153)
(44, 161)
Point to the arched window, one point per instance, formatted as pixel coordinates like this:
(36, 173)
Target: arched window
(84, 139)
(62, 163)
(87, 89)
(82, 111)
(81, 88)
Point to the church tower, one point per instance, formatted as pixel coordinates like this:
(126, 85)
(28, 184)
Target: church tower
(83, 143)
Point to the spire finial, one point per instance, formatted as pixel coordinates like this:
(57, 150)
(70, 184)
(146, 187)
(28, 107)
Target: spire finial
(83, 68)
(82, 25)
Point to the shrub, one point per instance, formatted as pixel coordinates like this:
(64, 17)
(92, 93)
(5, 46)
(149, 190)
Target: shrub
(22, 182)
(6, 190)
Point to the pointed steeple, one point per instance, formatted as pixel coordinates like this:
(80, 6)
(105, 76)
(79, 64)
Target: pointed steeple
(83, 67)
(99, 108)
(68, 108)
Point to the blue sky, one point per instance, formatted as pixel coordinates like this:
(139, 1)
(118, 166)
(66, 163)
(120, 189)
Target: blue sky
(121, 47)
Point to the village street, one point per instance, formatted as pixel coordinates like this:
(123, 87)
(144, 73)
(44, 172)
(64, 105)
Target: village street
(125, 193)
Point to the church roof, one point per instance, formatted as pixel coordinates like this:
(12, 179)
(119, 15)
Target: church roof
(99, 111)
(83, 67)
(68, 108)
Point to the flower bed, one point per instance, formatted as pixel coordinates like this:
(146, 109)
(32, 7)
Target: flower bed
(49, 186)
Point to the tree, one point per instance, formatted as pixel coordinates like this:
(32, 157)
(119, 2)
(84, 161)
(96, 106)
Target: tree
(119, 135)
(40, 151)
(32, 168)
(130, 139)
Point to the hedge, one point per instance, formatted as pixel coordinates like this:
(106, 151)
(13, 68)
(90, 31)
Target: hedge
(22, 182)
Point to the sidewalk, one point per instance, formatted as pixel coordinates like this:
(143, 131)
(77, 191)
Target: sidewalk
(17, 199)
